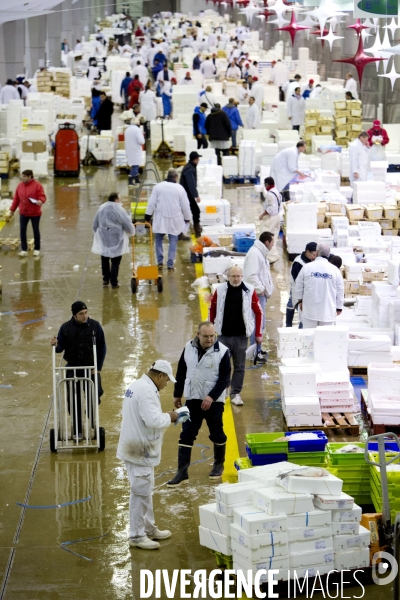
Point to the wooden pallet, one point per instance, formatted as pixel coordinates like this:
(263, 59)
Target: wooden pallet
(332, 422)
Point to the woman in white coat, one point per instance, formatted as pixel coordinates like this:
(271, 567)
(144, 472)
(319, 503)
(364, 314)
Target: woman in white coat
(359, 158)
(134, 141)
(148, 107)
(295, 108)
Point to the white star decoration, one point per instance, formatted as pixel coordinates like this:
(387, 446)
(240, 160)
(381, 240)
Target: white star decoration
(392, 26)
(386, 53)
(279, 8)
(250, 10)
(392, 49)
(325, 10)
(376, 49)
(330, 38)
(392, 75)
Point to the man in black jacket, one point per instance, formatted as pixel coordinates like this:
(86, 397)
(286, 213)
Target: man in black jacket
(189, 181)
(219, 131)
(75, 339)
(309, 255)
(104, 114)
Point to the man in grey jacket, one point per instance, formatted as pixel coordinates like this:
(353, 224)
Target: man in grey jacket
(203, 375)
(256, 270)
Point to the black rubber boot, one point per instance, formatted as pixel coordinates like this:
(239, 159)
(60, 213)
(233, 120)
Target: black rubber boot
(183, 238)
(197, 229)
(289, 317)
(184, 454)
(219, 459)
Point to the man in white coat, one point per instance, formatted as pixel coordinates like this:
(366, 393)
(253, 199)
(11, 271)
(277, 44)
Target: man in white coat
(170, 208)
(208, 69)
(257, 272)
(285, 166)
(291, 85)
(270, 217)
(9, 92)
(142, 432)
(253, 117)
(320, 291)
(112, 227)
(148, 107)
(295, 108)
(279, 76)
(134, 141)
(350, 85)
(142, 72)
(359, 158)
(257, 91)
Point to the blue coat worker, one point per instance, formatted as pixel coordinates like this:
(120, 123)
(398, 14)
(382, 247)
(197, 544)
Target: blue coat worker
(199, 125)
(124, 88)
(235, 119)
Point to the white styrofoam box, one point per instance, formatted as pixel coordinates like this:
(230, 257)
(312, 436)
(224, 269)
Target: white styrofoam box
(213, 520)
(351, 559)
(279, 563)
(230, 166)
(301, 534)
(303, 420)
(216, 264)
(384, 409)
(305, 405)
(255, 472)
(261, 553)
(328, 484)
(360, 540)
(328, 502)
(367, 343)
(277, 501)
(369, 192)
(312, 559)
(345, 528)
(393, 272)
(361, 359)
(383, 378)
(215, 541)
(315, 518)
(288, 334)
(287, 353)
(320, 569)
(311, 546)
(257, 522)
(298, 381)
(232, 493)
(395, 352)
(228, 509)
(334, 381)
(353, 514)
(261, 540)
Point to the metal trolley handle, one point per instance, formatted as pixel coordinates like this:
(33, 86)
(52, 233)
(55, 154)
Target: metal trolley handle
(380, 438)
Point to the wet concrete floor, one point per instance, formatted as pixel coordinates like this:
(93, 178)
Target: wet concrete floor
(37, 295)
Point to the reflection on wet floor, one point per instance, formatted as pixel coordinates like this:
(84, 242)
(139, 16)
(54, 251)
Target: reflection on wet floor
(37, 295)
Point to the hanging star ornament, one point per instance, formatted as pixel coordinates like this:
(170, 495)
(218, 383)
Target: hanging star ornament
(250, 10)
(392, 75)
(358, 27)
(279, 9)
(317, 32)
(360, 60)
(293, 27)
(325, 11)
(330, 38)
(392, 26)
(380, 49)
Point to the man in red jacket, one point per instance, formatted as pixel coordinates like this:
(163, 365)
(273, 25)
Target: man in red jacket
(29, 197)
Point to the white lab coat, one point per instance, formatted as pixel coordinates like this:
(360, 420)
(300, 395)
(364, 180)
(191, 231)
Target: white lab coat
(143, 74)
(320, 286)
(208, 69)
(93, 73)
(160, 76)
(112, 227)
(78, 48)
(243, 94)
(170, 205)
(208, 98)
(284, 167)
(185, 81)
(133, 145)
(32, 89)
(253, 117)
(143, 424)
(127, 48)
(359, 160)
(279, 74)
(9, 92)
(148, 104)
(289, 88)
(351, 86)
(315, 92)
(257, 91)
(295, 108)
(212, 40)
(256, 270)
(233, 72)
(272, 221)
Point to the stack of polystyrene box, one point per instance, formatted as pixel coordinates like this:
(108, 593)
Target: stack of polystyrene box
(383, 393)
(367, 348)
(230, 166)
(331, 347)
(288, 342)
(369, 192)
(300, 403)
(331, 161)
(335, 391)
(300, 216)
(13, 124)
(382, 294)
(268, 152)
(350, 540)
(247, 162)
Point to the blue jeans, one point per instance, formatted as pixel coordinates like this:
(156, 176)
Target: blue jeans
(263, 302)
(234, 134)
(134, 171)
(173, 242)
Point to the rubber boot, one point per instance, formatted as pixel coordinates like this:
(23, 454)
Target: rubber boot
(197, 229)
(289, 317)
(184, 454)
(219, 459)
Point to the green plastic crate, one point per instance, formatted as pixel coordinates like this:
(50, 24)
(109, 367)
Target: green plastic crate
(393, 477)
(393, 489)
(345, 459)
(354, 475)
(138, 211)
(364, 499)
(222, 560)
(263, 443)
(243, 463)
(309, 459)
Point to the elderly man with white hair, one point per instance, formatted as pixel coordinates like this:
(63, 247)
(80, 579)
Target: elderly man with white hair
(320, 291)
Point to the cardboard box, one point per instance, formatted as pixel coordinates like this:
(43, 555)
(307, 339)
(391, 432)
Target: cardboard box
(354, 213)
(392, 232)
(365, 289)
(372, 275)
(340, 105)
(390, 212)
(386, 223)
(341, 134)
(34, 146)
(373, 212)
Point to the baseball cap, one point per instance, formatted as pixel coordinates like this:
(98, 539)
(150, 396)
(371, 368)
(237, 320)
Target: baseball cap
(311, 81)
(377, 122)
(165, 367)
(193, 155)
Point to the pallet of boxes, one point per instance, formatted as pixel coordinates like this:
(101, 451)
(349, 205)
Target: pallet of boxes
(4, 164)
(61, 84)
(44, 81)
(315, 124)
(348, 121)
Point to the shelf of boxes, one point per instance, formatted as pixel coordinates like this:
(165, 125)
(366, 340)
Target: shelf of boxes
(316, 124)
(4, 163)
(44, 81)
(348, 121)
(62, 83)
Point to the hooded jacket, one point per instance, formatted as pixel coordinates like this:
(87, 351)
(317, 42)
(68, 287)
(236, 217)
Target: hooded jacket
(233, 116)
(218, 126)
(199, 122)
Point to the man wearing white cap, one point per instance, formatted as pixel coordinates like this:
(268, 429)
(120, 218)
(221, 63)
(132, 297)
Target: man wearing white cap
(140, 441)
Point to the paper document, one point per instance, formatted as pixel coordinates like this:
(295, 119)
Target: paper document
(33, 200)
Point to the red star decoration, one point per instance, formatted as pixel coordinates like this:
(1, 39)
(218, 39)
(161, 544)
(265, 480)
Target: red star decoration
(360, 60)
(242, 2)
(267, 13)
(266, 3)
(293, 27)
(358, 27)
(318, 32)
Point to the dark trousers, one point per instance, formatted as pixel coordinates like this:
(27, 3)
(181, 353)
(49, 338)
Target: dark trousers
(23, 224)
(237, 346)
(213, 418)
(281, 94)
(194, 207)
(218, 153)
(110, 274)
(76, 393)
(296, 127)
(202, 142)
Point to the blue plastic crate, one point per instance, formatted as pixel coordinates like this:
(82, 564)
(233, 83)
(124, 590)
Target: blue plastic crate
(257, 460)
(243, 245)
(316, 445)
(389, 447)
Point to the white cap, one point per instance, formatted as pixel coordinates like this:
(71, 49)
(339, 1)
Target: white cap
(165, 367)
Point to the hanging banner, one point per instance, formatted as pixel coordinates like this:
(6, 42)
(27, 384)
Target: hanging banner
(341, 5)
(376, 8)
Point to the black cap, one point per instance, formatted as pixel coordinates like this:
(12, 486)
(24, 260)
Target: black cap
(311, 247)
(78, 306)
(194, 155)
